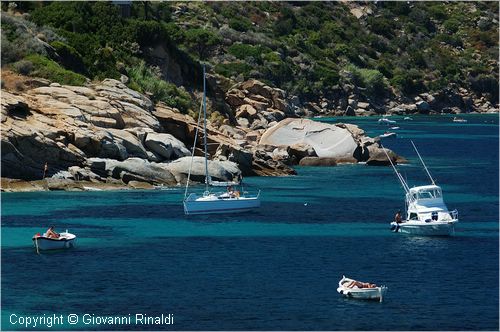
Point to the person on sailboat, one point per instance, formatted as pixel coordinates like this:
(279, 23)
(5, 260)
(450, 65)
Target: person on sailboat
(398, 218)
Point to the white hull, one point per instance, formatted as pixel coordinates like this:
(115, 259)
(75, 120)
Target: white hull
(65, 241)
(425, 228)
(376, 293)
(214, 204)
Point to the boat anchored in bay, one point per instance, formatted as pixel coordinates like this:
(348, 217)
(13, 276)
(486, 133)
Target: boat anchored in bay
(231, 201)
(51, 240)
(360, 290)
(426, 212)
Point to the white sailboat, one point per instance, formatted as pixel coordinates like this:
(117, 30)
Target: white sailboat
(426, 212)
(231, 201)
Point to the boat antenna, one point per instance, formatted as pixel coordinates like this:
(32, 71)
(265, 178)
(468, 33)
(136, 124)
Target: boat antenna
(205, 127)
(192, 152)
(399, 176)
(422, 161)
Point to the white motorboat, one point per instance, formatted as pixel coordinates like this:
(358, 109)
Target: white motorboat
(455, 119)
(64, 241)
(394, 128)
(386, 121)
(231, 201)
(387, 134)
(407, 118)
(360, 290)
(426, 212)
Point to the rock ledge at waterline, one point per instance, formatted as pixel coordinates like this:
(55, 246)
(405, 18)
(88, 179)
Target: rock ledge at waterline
(107, 136)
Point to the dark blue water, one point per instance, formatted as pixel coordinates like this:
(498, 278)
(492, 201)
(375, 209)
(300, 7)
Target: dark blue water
(277, 269)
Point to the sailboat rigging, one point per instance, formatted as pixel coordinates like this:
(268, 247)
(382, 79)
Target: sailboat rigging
(231, 201)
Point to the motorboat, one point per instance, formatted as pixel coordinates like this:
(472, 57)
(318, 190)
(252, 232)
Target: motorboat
(386, 121)
(209, 202)
(407, 118)
(44, 242)
(360, 290)
(455, 119)
(387, 134)
(426, 212)
(394, 128)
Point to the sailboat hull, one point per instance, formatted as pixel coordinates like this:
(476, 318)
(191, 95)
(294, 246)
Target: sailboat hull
(213, 204)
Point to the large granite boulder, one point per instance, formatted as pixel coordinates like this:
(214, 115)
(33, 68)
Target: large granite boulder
(218, 170)
(327, 140)
(131, 169)
(166, 145)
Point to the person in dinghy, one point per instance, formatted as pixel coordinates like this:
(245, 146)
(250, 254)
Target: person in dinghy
(50, 233)
(360, 284)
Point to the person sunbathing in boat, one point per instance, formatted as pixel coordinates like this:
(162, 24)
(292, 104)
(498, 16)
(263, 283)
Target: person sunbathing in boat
(50, 233)
(398, 218)
(360, 284)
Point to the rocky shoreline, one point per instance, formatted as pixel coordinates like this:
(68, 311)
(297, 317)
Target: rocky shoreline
(105, 136)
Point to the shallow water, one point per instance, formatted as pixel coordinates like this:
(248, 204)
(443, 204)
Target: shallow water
(277, 268)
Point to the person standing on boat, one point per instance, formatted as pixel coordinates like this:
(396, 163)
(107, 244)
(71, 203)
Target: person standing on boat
(45, 169)
(398, 218)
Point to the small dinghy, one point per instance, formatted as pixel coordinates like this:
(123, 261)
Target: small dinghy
(387, 134)
(386, 121)
(360, 290)
(44, 242)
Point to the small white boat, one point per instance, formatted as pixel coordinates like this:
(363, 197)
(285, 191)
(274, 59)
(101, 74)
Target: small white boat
(407, 118)
(455, 119)
(64, 241)
(387, 134)
(386, 121)
(394, 128)
(360, 290)
(215, 183)
(426, 212)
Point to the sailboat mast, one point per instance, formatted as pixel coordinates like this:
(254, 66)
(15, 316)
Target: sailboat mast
(422, 161)
(205, 128)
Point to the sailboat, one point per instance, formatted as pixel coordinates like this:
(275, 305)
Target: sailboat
(426, 212)
(231, 201)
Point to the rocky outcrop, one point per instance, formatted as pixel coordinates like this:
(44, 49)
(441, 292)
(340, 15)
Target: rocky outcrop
(73, 129)
(332, 144)
(257, 105)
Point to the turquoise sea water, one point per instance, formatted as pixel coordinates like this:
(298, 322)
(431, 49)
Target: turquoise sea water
(278, 268)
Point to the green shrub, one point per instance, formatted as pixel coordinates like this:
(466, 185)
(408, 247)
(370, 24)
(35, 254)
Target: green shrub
(23, 67)
(451, 25)
(233, 69)
(51, 70)
(70, 58)
(240, 23)
(272, 57)
(241, 51)
(201, 41)
(371, 79)
(146, 80)
(408, 81)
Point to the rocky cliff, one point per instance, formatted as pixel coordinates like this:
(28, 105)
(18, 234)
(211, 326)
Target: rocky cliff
(107, 133)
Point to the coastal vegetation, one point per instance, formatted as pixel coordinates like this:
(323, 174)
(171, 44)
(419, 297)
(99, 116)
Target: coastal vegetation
(310, 49)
